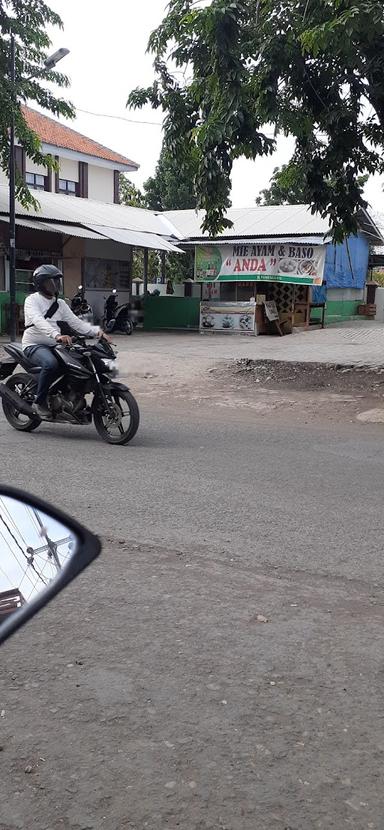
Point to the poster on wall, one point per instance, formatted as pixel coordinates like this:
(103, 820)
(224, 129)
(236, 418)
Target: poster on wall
(227, 317)
(278, 261)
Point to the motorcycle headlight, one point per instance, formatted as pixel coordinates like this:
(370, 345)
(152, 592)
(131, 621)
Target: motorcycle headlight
(111, 367)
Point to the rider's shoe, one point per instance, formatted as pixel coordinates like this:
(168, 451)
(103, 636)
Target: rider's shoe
(42, 411)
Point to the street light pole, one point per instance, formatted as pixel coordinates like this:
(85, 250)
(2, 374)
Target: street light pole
(12, 215)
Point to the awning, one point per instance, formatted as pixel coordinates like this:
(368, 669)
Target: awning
(136, 238)
(68, 230)
(72, 230)
(26, 223)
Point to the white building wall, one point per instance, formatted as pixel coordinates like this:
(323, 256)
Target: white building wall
(100, 184)
(31, 167)
(379, 305)
(69, 169)
(100, 179)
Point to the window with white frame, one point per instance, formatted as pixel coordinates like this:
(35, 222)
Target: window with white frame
(35, 180)
(67, 186)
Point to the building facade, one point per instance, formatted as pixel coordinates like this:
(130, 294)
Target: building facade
(86, 169)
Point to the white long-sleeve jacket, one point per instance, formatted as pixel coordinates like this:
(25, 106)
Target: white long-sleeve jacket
(43, 332)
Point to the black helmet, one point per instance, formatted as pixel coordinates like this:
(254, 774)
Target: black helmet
(46, 272)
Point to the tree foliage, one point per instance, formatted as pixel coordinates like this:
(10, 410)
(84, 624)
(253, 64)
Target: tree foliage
(172, 188)
(27, 20)
(310, 68)
(167, 189)
(130, 194)
(288, 186)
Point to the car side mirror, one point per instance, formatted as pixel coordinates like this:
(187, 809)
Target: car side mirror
(41, 551)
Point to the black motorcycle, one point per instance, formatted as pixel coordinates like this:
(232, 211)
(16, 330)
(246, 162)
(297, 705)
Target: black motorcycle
(80, 306)
(117, 317)
(86, 369)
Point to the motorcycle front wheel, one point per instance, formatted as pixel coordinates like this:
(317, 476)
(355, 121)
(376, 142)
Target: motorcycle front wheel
(117, 420)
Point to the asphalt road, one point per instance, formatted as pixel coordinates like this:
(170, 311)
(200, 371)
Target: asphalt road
(149, 695)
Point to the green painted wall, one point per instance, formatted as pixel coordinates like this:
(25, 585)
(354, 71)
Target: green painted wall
(339, 310)
(183, 312)
(4, 301)
(171, 313)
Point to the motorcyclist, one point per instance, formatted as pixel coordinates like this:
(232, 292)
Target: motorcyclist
(111, 305)
(77, 300)
(43, 314)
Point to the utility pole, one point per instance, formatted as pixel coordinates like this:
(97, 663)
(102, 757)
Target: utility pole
(49, 63)
(12, 217)
(145, 286)
(50, 547)
(163, 267)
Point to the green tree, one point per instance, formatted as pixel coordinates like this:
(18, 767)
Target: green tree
(168, 189)
(173, 185)
(288, 186)
(130, 194)
(312, 69)
(27, 20)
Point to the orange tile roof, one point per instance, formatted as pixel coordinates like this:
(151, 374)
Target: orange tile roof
(52, 132)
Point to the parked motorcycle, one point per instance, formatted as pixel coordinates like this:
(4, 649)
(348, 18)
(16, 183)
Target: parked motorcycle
(42, 550)
(117, 317)
(86, 369)
(80, 306)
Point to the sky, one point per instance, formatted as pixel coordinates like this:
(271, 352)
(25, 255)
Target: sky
(19, 530)
(108, 59)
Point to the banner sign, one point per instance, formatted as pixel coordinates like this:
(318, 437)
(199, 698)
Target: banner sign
(252, 262)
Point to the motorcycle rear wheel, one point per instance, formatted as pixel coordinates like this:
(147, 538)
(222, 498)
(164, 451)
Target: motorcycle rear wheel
(19, 383)
(111, 425)
(127, 328)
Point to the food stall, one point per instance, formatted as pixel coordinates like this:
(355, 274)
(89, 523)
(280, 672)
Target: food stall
(257, 287)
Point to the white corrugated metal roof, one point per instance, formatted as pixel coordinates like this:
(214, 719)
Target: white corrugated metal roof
(265, 221)
(88, 212)
(26, 223)
(69, 230)
(135, 238)
(281, 220)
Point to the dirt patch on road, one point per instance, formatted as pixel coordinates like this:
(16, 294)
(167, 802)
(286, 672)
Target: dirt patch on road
(311, 377)
(293, 391)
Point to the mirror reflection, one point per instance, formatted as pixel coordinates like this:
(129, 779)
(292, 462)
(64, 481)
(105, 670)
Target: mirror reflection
(34, 549)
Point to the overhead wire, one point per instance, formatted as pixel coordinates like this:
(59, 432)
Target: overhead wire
(7, 577)
(15, 557)
(12, 521)
(31, 564)
(119, 118)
